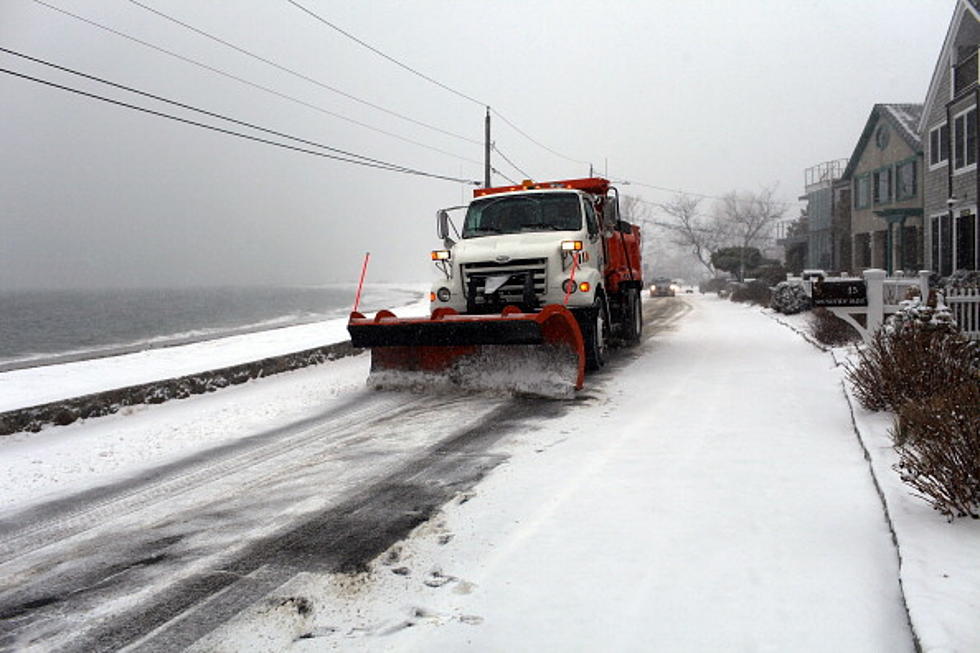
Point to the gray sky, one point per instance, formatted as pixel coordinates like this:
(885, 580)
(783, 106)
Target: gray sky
(702, 96)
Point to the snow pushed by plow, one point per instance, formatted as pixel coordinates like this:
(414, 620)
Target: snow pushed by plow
(546, 371)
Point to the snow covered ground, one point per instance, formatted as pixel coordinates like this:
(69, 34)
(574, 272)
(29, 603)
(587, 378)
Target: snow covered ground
(39, 385)
(707, 495)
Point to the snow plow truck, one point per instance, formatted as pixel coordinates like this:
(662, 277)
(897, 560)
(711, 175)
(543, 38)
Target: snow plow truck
(536, 281)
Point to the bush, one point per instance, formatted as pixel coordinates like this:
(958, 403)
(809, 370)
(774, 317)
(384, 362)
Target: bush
(962, 279)
(909, 361)
(789, 298)
(770, 274)
(940, 452)
(754, 292)
(830, 330)
(716, 284)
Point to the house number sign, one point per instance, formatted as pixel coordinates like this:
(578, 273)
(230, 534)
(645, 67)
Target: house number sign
(852, 292)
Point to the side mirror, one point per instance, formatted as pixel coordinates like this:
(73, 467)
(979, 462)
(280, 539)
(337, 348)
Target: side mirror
(442, 224)
(610, 210)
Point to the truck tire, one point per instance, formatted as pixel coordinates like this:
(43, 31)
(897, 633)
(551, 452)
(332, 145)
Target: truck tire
(632, 317)
(595, 332)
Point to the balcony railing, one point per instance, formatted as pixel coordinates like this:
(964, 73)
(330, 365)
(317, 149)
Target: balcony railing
(965, 74)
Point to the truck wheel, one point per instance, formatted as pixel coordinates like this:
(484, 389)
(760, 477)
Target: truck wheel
(596, 334)
(632, 317)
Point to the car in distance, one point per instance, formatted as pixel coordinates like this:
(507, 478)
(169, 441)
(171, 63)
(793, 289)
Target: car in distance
(662, 287)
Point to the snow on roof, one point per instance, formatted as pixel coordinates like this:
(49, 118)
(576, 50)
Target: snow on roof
(907, 116)
(905, 119)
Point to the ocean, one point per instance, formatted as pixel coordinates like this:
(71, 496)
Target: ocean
(44, 327)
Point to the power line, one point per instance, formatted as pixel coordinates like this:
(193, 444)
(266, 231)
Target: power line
(412, 70)
(300, 75)
(230, 132)
(535, 141)
(670, 190)
(512, 164)
(497, 172)
(242, 80)
(189, 107)
(382, 54)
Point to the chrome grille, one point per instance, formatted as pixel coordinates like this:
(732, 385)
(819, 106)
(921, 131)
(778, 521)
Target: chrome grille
(512, 291)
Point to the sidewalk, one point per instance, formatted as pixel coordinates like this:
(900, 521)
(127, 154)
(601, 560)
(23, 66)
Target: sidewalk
(710, 496)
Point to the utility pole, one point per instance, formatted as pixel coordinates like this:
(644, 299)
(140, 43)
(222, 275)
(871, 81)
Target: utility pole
(486, 152)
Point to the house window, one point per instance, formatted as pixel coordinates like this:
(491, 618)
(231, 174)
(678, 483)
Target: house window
(862, 192)
(862, 250)
(966, 242)
(965, 139)
(909, 256)
(882, 185)
(905, 185)
(945, 245)
(939, 145)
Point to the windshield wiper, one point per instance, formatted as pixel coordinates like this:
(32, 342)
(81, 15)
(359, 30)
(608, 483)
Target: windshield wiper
(544, 227)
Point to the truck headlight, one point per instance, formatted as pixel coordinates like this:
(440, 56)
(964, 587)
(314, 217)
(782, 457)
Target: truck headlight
(568, 286)
(443, 294)
(571, 245)
(440, 255)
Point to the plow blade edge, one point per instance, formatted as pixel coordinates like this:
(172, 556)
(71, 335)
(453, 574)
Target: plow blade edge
(458, 346)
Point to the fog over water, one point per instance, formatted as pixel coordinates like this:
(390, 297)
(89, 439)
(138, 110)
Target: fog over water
(703, 96)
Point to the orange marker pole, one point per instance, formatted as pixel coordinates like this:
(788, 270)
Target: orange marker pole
(360, 284)
(571, 278)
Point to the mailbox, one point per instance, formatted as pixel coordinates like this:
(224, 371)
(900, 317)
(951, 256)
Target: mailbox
(839, 292)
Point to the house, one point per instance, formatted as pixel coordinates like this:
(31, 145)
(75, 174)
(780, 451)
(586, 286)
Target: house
(884, 174)
(948, 128)
(824, 225)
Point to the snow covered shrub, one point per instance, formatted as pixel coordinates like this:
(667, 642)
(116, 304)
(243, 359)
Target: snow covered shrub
(940, 452)
(962, 279)
(717, 284)
(909, 360)
(933, 316)
(789, 298)
(830, 330)
(754, 292)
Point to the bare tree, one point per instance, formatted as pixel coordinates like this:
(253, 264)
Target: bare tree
(750, 218)
(701, 234)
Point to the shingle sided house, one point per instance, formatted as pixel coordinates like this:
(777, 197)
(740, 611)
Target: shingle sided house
(885, 177)
(948, 127)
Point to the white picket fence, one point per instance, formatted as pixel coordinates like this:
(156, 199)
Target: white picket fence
(964, 304)
(885, 295)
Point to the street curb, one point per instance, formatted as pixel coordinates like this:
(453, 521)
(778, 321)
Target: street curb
(67, 411)
(884, 508)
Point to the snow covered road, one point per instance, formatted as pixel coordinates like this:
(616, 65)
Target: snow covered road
(704, 493)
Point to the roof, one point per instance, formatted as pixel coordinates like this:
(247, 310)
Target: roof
(962, 6)
(904, 119)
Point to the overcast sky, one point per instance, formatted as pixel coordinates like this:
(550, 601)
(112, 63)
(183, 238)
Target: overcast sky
(702, 96)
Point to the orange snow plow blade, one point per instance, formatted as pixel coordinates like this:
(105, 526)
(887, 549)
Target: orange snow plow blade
(475, 351)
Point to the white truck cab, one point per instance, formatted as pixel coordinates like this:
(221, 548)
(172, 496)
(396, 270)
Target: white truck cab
(525, 248)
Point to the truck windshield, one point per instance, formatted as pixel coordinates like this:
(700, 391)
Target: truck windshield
(511, 214)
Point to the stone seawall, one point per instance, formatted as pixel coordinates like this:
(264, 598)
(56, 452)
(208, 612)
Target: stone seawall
(66, 411)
